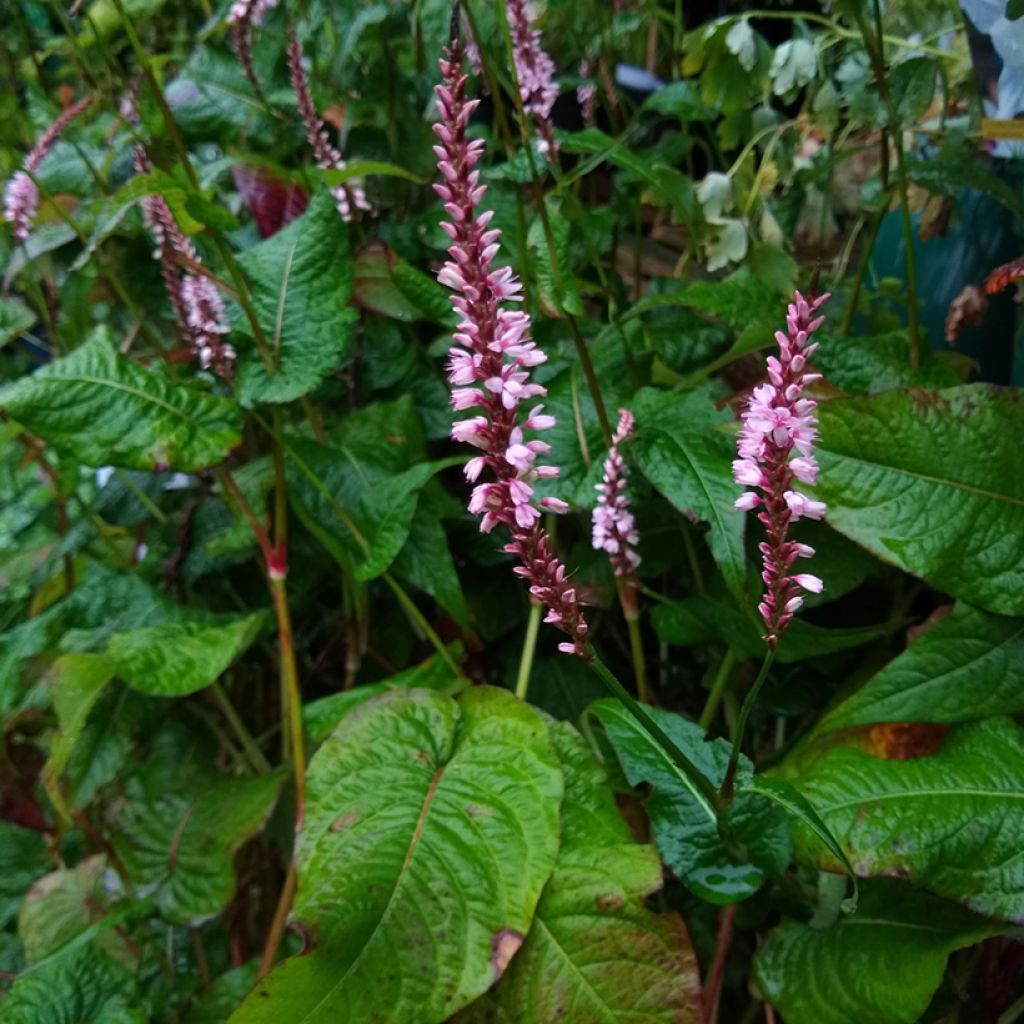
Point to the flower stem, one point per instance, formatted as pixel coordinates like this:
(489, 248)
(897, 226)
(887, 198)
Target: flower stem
(700, 784)
(529, 647)
(276, 932)
(718, 688)
(725, 793)
(255, 756)
(636, 649)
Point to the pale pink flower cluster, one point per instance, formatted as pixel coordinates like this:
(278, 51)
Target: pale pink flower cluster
(614, 528)
(490, 366)
(535, 71)
(776, 452)
(243, 17)
(349, 196)
(586, 92)
(198, 306)
(21, 196)
(251, 12)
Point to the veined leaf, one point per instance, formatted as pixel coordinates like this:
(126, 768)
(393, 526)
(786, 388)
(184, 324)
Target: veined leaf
(948, 822)
(23, 859)
(881, 964)
(679, 451)
(431, 828)
(930, 481)
(301, 286)
(595, 953)
(105, 409)
(685, 824)
(15, 319)
(965, 667)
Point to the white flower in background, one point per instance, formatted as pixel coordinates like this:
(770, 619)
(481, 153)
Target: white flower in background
(729, 244)
(740, 41)
(715, 196)
(794, 65)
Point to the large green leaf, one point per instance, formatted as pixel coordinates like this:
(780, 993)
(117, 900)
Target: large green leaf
(881, 964)
(950, 822)
(685, 824)
(431, 828)
(176, 825)
(105, 409)
(965, 667)
(930, 481)
(679, 448)
(15, 319)
(301, 285)
(426, 562)
(22, 860)
(595, 953)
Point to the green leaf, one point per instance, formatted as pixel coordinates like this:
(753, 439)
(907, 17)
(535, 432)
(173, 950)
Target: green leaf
(322, 716)
(880, 362)
(682, 99)
(224, 995)
(426, 562)
(930, 481)
(559, 293)
(431, 828)
(84, 987)
(679, 448)
(176, 825)
(881, 964)
(958, 169)
(1014, 9)
(181, 657)
(104, 409)
(912, 85)
(301, 283)
(595, 953)
(23, 859)
(367, 169)
(685, 824)
(15, 319)
(948, 822)
(965, 667)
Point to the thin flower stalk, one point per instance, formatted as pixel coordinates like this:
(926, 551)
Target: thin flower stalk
(535, 71)
(775, 449)
(21, 196)
(490, 365)
(349, 195)
(198, 306)
(243, 17)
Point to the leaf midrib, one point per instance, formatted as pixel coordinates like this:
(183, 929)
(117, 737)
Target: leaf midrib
(910, 794)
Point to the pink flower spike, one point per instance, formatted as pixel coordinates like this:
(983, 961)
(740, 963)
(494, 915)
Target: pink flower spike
(614, 528)
(535, 71)
(491, 370)
(775, 446)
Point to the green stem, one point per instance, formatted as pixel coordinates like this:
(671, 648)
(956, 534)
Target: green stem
(862, 268)
(529, 647)
(252, 751)
(419, 619)
(701, 786)
(741, 725)
(636, 649)
(718, 688)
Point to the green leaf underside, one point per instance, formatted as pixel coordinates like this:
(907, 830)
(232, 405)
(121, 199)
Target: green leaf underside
(678, 450)
(595, 953)
(881, 964)
(431, 828)
(105, 409)
(930, 481)
(965, 667)
(685, 825)
(302, 282)
(948, 822)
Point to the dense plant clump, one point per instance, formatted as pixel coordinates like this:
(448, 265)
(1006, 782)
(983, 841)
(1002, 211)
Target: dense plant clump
(383, 634)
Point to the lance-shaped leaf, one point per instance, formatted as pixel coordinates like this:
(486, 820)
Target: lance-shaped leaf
(595, 952)
(930, 481)
(431, 828)
(965, 667)
(685, 824)
(301, 285)
(176, 824)
(949, 822)
(881, 964)
(105, 409)
(679, 450)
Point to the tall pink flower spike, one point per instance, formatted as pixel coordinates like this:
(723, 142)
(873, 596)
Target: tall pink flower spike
(21, 197)
(614, 528)
(776, 451)
(490, 366)
(535, 70)
(349, 195)
(243, 17)
(197, 304)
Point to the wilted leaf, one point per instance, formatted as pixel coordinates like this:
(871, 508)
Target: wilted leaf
(431, 828)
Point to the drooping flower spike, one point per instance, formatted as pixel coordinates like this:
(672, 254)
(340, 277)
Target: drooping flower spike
(535, 71)
(21, 197)
(614, 528)
(776, 453)
(490, 366)
(198, 306)
(586, 91)
(243, 17)
(349, 195)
